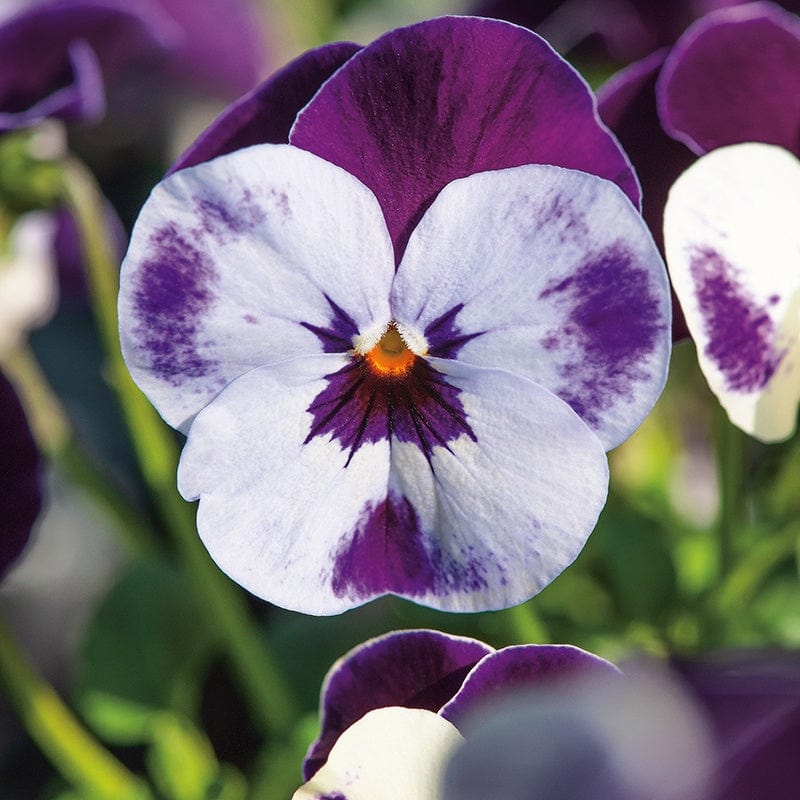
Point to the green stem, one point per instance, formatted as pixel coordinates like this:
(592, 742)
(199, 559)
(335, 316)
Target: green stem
(80, 759)
(730, 451)
(526, 625)
(262, 682)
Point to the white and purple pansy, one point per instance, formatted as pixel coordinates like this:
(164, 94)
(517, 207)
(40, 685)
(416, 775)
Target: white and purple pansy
(731, 86)
(401, 343)
(392, 709)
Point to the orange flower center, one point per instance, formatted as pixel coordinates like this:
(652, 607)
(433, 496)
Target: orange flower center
(390, 358)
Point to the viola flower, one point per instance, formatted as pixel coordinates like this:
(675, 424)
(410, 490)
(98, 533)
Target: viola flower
(399, 357)
(423, 681)
(730, 220)
(20, 489)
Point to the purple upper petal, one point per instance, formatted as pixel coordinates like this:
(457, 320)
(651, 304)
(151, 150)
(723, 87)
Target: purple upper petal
(415, 669)
(627, 104)
(266, 114)
(450, 97)
(735, 77)
(20, 492)
(523, 666)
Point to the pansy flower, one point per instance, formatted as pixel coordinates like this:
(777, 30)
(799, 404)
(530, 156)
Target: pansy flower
(401, 343)
(392, 709)
(732, 87)
(20, 489)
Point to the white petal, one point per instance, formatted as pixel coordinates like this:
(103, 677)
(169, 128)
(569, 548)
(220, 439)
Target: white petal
(273, 506)
(389, 754)
(733, 249)
(28, 288)
(552, 274)
(232, 265)
(486, 520)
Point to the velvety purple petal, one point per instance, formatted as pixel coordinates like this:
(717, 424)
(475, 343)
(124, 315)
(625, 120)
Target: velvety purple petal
(266, 114)
(735, 77)
(522, 667)
(415, 669)
(443, 99)
(753, 703)
(53, 55)
(222, 48)
(20, 490)
(627, 104)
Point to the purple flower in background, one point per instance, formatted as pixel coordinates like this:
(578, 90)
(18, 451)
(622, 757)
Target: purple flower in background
(619, 31)
(426, 683)
(58, 55)
(20, 490)
(731, 88)
(400, 344)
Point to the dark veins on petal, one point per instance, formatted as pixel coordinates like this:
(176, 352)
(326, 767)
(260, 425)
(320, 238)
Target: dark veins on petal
(444, 338)
(337, 337)
(614, 324)
(389, 552)
(740, 332)
(172, 291)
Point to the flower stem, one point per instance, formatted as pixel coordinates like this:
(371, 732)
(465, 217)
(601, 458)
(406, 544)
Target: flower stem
(264, 686)
(80, 759)
(730, 451)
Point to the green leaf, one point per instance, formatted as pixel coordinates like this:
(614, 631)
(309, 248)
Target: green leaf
(146, 648)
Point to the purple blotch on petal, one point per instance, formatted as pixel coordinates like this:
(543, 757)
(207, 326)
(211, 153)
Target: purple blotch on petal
(444, 337)
(389, 552)
(337, 335)
(521, 667)
(332, 796)
(740, 332)
(358, 407)
(172, 291)
(413, 669)
(614, 321)
(221, 219)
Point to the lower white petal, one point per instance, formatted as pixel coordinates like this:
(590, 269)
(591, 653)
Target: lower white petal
(389, 754)
(733, 250)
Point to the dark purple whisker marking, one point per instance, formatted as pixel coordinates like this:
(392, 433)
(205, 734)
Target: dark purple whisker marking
(444, 338)
(614, 322)
(741, 334)
(173, 290)
(337, 336)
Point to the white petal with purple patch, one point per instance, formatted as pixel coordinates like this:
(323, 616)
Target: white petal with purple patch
(235, 262)
(730, 231)
(389, 754)
(549, 273)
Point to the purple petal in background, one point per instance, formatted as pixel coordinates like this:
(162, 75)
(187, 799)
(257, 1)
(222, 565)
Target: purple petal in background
(415, 669)
(266, 114)
(735, 77)
(627, 104)
(522, 667)
(54, 56)
(20, 490)
(222, 48)
(443, 99)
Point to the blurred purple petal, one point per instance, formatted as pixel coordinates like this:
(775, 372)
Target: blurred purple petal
(735, 77)
(266, 114)
(222, 48)
(753, 702)
(54, 54)
(20, 490)
(416, 109)
(627, 104)
(522, 667)
(415, 669)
